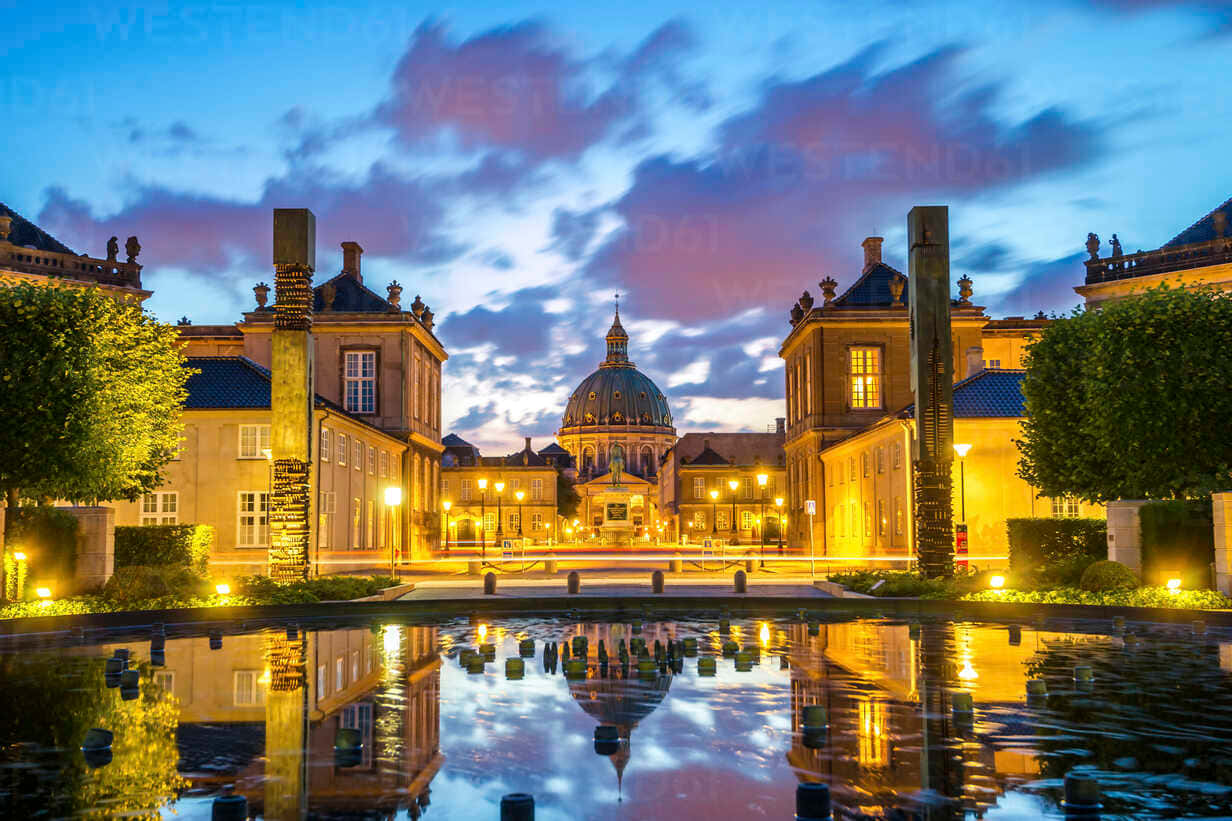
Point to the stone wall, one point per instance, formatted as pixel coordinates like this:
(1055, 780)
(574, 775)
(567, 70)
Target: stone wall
(95, 546)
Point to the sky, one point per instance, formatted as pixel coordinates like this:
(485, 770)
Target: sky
(518, 164)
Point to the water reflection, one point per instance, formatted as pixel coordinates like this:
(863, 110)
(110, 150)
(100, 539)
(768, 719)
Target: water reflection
(262, 715)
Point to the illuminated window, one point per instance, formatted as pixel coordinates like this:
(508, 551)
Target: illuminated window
(1064, 507)
(359, 382)
(868, 521)
(325, 444)
(489, 522)
(369, 524)
(372, 461)
(851, 467)
(898, 516)
(720, 519)
(165, 681)
(699, 487)
(746, 487)
(898, 455)
(865, 377)
(355, 522)
(342, 449)
(339, 673)
(325, 512)
(161, 508)
(838, 520)
(384, 463)
(466, 490)
(253, 524)
(246, 689)
(881, 518)
(864, 464)
(536, 490)
(874, 740)
(357, 454)
(881, 460)
(746, 520)
(254, 441)
(536, 521)
(514, 519)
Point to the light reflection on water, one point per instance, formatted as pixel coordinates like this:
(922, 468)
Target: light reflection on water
(262, 713)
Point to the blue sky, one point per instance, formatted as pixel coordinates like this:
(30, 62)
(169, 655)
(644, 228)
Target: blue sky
(518, 163)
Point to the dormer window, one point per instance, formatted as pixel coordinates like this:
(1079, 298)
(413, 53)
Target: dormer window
(618, 417)
(616, 394)
(592, 395)
(590, 418)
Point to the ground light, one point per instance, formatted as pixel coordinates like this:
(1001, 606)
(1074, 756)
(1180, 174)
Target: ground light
(1174, 586)
(43, 592)
(996, 582)
(222, 589)
(19, 556)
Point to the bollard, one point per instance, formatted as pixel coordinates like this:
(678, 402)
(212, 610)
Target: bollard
(229, 808)
(475, 664)
(812, 802)
(564, 654)
(677, 564)
(518, 806)
(128, 685)
(215, 639)
(744, 661)
(575, 583)
(962, 702)
(814, 718)
(158, 658)
(488, 651)
(581, 645)
(707, 666)
(656, 581)
(730, 648)
(575, 669)
(1199, 627)
(602, 651)
(96, 747)
(1081, 796)
(348, 748)
(514, 669)
(690, 646)
(526, 648)
(1015, 632)
(489, 584)
(1083, 674)
(607, 739)
(742, 582)
(1118, 623)
(112, 668)
(474, 568)
(292, 633)
(1037, 690)
(121, 653)
(550, 565)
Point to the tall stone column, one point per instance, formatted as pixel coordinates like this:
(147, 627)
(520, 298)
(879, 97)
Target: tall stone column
(1221, 508)
(286, 728)
(932, 381)
(291, 391)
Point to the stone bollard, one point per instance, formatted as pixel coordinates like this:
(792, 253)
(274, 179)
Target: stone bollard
(526, 648)
(575, 583)
(112, 668)
(475, 664)
(1037, 691)
(489, 584)
(690, 646)
(229, 808)
(656, 581)
(215, 639)
(677, 564)
(812, 802)
(607, 739)
(96, 747)
(730, 648)
(1015, 633)
(348, 747)
(518, 806)
(1081, 796)
(750, 565)
(1083, 674)
(742, 582)
(474, 568)
(129, 685)
(744, 661)
(707, 666)
(550, 564)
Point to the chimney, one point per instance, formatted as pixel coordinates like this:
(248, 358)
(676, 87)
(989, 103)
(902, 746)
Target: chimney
(975, 360)
(780, 425)
(351, 252)
(527, 444)
(705, 444)
(872, 251)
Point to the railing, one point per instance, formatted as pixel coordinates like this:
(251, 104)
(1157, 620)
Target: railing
(1162, 261)
(51, 263)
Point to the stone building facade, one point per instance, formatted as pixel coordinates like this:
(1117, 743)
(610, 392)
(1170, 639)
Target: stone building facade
(482, 492)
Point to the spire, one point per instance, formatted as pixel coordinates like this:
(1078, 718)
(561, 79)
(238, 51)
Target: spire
(617, 343)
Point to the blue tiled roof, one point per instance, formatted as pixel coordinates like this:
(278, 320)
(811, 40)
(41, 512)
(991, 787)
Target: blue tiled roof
(872, 288)
(349, 297)
(991, 393)
(227, 382)
(453, 440)
(1201, 231)
(25, 233)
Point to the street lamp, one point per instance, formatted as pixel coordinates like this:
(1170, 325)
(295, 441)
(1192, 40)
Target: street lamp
(778, 504)
(483, 518)
(446, 504)
(393, 498)
(519, 494)
(962, 451)
(499, 487)
(733, 484)
(714, 519)
(762, 478)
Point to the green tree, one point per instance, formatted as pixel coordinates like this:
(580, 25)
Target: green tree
(92, 387)
(567, 499)
(1131, 401)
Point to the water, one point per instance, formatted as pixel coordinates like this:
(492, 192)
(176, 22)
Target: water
(261, 714)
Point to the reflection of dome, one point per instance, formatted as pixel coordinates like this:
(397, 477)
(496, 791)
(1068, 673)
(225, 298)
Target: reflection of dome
(618, 393)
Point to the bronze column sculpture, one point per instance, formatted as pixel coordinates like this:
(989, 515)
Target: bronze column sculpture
(932, 382)
(291, 393)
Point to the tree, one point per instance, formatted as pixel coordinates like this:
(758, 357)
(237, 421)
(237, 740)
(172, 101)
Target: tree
(91, 387)
(567, 499)
(1132, 401)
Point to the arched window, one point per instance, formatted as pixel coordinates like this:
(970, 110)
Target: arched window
(647, 461)
(588, 459)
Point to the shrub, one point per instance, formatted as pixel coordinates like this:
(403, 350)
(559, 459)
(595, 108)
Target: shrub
(1178, 537)
(1056, 551)
(137, 583)
(1140, 597)
(1104, 576)
(906, 584)
(147, 545)
(47, 536)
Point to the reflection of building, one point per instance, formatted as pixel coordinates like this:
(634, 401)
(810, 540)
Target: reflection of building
(703, 462)
(469, 482)
(616, 428)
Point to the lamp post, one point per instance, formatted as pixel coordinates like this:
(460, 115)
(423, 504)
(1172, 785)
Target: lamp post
(393, 498)
(714, 519)
(519, 494)
(762, 478)
(499, 487)
(733, 484)
(446, 504)
(962, 450)
(778, 504)
(483, 518)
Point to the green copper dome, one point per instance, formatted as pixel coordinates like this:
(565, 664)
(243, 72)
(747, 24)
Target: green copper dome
(617, 393)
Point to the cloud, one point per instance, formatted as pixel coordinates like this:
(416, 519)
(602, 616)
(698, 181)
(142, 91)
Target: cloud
(522, 328)
(815, 166)
(572, 231)
(1045, 286)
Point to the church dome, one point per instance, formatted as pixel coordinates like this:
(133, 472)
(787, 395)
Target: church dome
(617, 393)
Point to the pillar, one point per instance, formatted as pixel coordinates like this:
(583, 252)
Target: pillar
(286, 728)
(1125, 534)
(95, 560)
(932, 382)
(1222, 510)
(290, 514)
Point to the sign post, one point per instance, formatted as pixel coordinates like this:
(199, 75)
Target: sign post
(810, 507)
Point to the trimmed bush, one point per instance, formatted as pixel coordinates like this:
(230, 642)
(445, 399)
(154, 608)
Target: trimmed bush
(150, 545)
(137, 583)
(47, 536)
(1056, 551)
(1104, 576)
(1178, 537)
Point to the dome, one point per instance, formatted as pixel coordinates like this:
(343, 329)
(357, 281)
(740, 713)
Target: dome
(617, 393)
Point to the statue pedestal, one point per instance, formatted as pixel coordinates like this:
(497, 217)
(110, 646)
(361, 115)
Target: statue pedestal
(617, 506)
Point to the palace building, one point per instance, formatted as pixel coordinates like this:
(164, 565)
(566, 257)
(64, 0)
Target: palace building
(616, 429)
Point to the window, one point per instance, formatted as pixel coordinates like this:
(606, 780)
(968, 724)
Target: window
(1064, 507)
(898, 455)
(320, 680)
(357, 455)
(165, 680)
(339, 673)
(880, 460)
(855, 524)
(699, 487)
(246, 688)
(384, 463)
(325, 513)
(342, 449)
(359, 717)
(865, 378)
(864, 464)
(325, 444)
(898, 516)
(161, 508)
(466, 490)
(514, 519)
(536, 490)
(746, 487)
(992, 363)
(536, 521)
(746, 520)
(699, 519)
(851, 467)
(720, 519)
(489, 522)
(359, 382)
(254, 441)
(881, 518)
(369, 523)
(355, 521)
(354, 665)
(253, 521)
(868, 521)
(838, 520)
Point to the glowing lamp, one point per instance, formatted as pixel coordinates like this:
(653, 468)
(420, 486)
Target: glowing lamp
(446, 504)
(1174, 585)
(714, 494)
(762, 479)
(996, 582)
(43, 592)
(393, 496)
(733, 484)
(765, 634)
(968, 673)
(222, 589)
(483, 632)
(268, 454)
(519, 494)
(19, 556)
(500, 487)
(778, 501)
(483, 484)
(961, 450)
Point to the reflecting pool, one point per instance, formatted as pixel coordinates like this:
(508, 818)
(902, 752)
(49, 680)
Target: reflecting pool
(388, 720)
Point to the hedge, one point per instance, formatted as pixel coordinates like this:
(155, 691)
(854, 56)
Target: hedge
(1177, 537)
(47, 536)
(149, 545)
(1056, 549)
